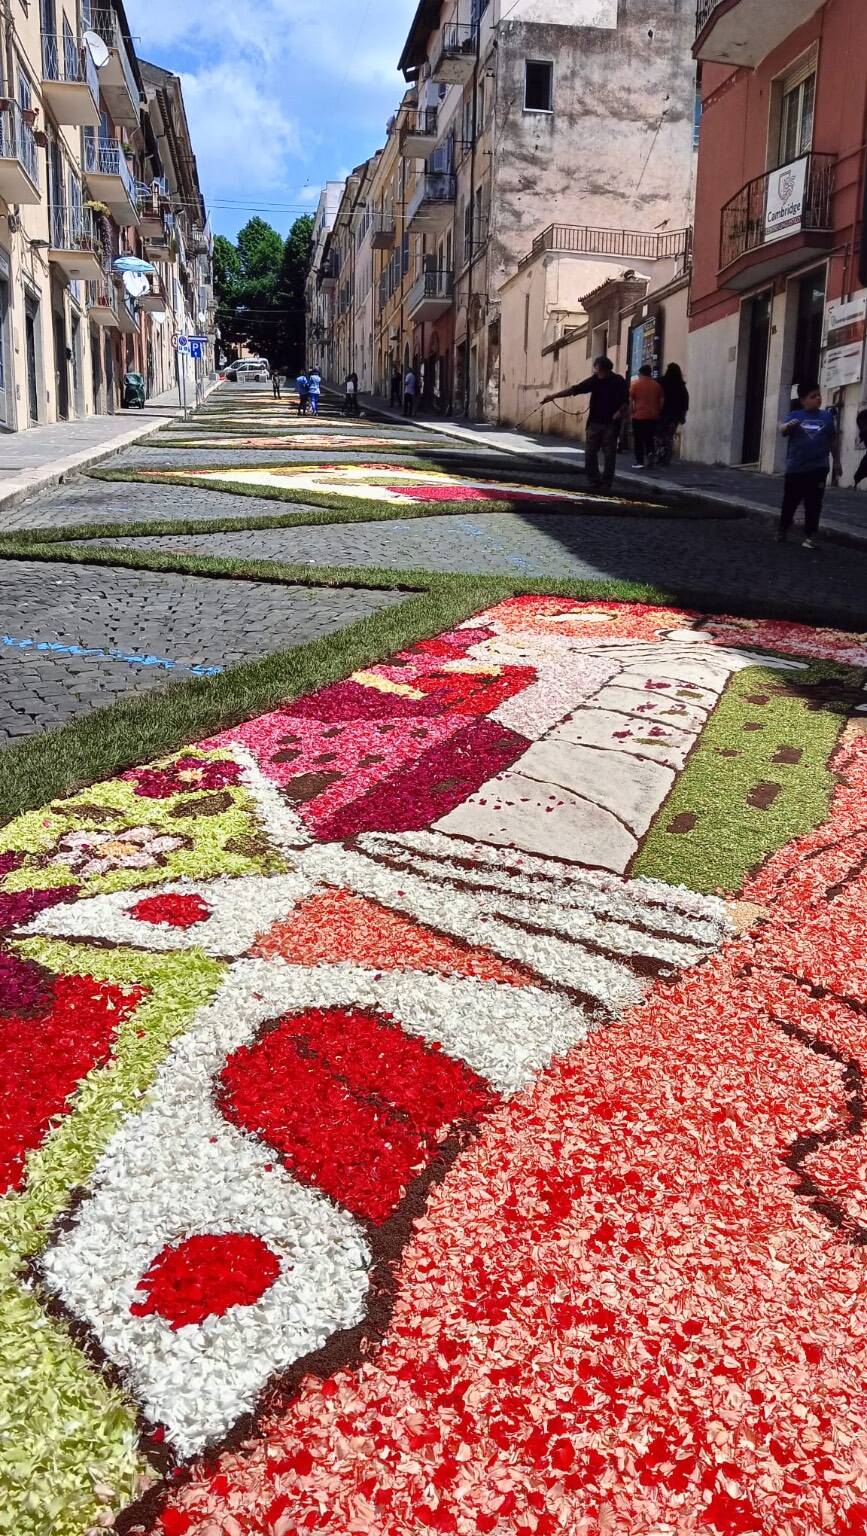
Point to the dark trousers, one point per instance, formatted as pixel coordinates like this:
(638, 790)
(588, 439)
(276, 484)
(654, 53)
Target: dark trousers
(604, 438)
(395, 394)
(408, 404)
(808, 488)
(644, 440)
(666, 432)
(861, 471)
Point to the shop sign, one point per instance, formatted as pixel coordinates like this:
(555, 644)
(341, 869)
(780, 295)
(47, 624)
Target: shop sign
(845, 331)
(786, 201)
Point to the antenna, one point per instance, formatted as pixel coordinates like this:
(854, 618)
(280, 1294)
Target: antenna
(97, 49)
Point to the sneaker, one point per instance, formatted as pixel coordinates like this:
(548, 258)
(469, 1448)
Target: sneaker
(808, 544)
(638, 466)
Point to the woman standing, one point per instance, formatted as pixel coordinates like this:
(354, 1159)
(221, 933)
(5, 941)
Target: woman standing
(674, 411)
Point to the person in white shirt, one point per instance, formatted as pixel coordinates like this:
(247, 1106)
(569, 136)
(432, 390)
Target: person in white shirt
(409, 389)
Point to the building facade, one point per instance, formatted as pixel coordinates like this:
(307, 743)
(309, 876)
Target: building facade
(581, 107)
(780, 278)
(81, 182)
(320, 288)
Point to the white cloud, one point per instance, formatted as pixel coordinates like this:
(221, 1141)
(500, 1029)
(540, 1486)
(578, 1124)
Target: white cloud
(275, 88)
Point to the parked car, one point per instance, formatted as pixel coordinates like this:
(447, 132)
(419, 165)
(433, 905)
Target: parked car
(249, 370)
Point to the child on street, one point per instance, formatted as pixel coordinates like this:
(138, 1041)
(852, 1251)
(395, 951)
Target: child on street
(812, 444)
(302, 384)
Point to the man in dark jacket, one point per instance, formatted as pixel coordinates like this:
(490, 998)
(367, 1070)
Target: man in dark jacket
(609, 403)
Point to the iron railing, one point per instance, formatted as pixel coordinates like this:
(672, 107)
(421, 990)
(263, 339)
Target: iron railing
(744, 221)
(102, 294)
(704, 12)
(457, 39)
(422, 123)
(431, 285)
(432, 187)
(382, 223)
(17, 141)
(638, 245)
(107, 24)
(72, 228)
(105, 157)
(67, 62)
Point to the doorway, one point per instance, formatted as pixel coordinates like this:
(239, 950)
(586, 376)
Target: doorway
(77, 380)
(31, 351)
(61, 366)
(759, 337)
(96, 371)
(806, 367)
(5, 402)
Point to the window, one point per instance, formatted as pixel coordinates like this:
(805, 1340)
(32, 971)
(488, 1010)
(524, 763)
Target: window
(538, 86)
(796, 124)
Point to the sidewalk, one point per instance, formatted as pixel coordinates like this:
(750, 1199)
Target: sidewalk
(844, 520)
(42, 457)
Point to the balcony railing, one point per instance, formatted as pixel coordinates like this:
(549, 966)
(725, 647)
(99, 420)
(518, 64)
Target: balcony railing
(419, 126)
(458, 40)
(382, 230)
(17, 141)
(102, 295)
(435, 289)
(67, 62)
(105, 157)
(631, 244)
(773, 207)
(706, 9)
(107, 24)
(433, 189)
(72, 228)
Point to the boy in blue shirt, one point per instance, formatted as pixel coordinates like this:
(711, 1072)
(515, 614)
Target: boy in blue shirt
(302, 384)
(812, 443)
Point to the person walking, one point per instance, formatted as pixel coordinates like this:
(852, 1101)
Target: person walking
(350, 387)
(646, 399)
(315, 390)
(409, 390)
(674, 412)
(609, 403)
(813, 443)
(395, 387)
(275, 383)
(302, 384)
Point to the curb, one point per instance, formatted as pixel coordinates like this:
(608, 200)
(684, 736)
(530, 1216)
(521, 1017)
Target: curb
(47, 477)
(851, 538)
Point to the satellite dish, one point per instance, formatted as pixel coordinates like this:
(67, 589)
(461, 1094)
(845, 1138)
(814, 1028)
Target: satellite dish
(136, 284)
(97, 49)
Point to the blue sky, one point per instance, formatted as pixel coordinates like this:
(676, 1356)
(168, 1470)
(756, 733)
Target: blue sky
(282, 95)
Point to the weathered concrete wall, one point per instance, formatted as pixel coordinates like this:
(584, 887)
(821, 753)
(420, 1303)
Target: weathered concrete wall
(567, 13)
(713, 382)
(617, 149)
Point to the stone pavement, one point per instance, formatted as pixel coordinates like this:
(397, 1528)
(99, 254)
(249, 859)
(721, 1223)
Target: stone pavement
(844, 518)
(43, 457)
(75, 638)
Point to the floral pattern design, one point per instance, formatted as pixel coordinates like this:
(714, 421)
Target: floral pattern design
(390, 1146)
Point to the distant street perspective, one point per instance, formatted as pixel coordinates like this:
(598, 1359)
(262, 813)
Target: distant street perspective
(433, 722)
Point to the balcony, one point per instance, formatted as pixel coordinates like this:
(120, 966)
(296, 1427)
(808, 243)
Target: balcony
(382, 231)
(431, 296)
(110, 180)
(431, 206)
(101, 302)
(117, 77)
(74, 247)
(328, 275)
(127, 318)
(775, 219)
(418, 134)
(19, 162)
(70, 82)
(746, 31)
(454, 58)
(154, 302)
(627, 244)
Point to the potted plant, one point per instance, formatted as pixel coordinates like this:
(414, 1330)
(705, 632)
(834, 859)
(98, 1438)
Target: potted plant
(29, 115)
(40, 137)
(95, 206)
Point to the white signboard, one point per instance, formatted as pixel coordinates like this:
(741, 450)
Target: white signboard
(845, 329)
(787, 196)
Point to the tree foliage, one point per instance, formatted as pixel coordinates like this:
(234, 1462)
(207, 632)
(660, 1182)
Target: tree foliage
(259, 281)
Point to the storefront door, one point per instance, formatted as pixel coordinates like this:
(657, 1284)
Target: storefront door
(757, 377)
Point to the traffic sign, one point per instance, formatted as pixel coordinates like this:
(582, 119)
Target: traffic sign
(197, 349)
(183, 343)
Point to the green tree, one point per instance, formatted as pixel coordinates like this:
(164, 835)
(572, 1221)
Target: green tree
(259, 283)
(290, 293)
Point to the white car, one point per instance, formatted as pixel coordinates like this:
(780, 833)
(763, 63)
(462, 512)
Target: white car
(249, 370)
